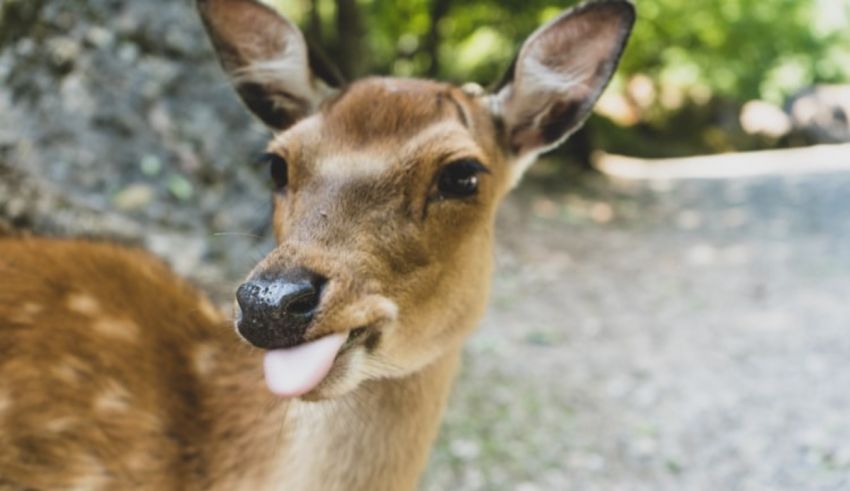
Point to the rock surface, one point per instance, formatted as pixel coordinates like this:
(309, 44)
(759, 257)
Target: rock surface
(114, 106)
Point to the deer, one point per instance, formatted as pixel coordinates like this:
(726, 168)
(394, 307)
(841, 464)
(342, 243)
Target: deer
(117, 374)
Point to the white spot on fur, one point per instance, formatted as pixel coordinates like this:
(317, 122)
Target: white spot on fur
(27, 313)
(112, 398)
(69, 370)
(58, 425)
(203, 359)
(448, 138)
(117, 327)
(92, 472)
(83, 303)
(353, 165)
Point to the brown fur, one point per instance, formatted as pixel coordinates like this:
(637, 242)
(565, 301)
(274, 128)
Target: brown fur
(54, 366)
(80, 410)
(115, 374)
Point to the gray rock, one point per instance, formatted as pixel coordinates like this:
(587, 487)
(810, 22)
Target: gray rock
(91, 88)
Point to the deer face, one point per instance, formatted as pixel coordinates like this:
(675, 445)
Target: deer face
(386, 190)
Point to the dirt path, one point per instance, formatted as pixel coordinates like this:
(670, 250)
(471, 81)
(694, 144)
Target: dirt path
(662, 335)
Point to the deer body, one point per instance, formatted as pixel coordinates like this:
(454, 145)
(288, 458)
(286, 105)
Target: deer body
(181, 407)
(115, 374)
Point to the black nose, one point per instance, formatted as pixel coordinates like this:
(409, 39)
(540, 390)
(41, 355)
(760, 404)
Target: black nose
(277, 308)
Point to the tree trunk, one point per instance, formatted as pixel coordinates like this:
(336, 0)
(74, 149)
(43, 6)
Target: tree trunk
(313, 29)
(350, 54)
(439, 9)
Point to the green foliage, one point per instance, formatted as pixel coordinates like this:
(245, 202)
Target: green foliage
(478, 39)
(740, 49)
(395, 36)
(689, 66)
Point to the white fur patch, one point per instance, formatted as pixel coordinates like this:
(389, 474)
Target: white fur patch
(112, 398)
(69, 370)
(203, 359)
(93, 474)
(353, 165)
(59, 425)
(117, 327)
(83, 303)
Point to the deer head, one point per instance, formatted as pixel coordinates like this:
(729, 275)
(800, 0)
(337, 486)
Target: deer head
(386, 190)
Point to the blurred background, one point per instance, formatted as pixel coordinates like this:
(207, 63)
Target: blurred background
(670, 307)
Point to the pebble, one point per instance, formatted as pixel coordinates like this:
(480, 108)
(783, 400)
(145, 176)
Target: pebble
(134, 197)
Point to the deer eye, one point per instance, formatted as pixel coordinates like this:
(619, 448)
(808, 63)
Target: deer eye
(277, 169)
(459, 179)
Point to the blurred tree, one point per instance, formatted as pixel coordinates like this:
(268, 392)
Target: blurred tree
(431, 46)
(737, 48)
(350, 56)
(684, 52)
(740, 48)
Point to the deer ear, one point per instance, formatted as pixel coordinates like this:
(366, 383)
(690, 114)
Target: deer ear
(559, 74)
(268, 61)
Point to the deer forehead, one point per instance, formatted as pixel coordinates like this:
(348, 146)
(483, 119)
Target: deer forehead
(379, 125)
(434, 145)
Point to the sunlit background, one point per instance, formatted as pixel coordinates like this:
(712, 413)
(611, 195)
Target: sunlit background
(700, 76)
(670, 307)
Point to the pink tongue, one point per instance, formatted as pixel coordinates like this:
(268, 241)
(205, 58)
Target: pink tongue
(295, 371)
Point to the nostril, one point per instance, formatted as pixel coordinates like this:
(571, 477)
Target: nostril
(303, 305)
(306, 298)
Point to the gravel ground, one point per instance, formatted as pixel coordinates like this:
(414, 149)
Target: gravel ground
(661, 335)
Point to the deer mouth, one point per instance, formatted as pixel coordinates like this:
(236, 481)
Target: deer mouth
(366, 336)
(298, 370)
(293, 372)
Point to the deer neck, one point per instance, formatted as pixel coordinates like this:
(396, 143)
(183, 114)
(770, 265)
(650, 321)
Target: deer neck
(377, 437)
